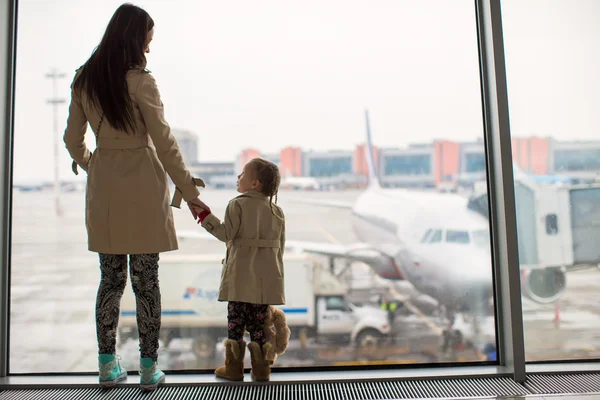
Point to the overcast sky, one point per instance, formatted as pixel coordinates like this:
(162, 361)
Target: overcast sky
(269, 74)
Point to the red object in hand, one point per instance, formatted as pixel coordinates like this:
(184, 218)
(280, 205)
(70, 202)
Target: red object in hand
(203, 215)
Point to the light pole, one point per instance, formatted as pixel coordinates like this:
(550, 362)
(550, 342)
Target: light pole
(55, 102)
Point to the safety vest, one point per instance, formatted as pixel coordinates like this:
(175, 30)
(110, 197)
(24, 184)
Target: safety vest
(392, 306)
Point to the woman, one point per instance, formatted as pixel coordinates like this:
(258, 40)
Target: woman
(127, 204)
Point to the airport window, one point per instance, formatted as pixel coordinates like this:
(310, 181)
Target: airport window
(579, 160)
(308, 74)
(559, 302)
(453, 236)
(475, 162)
(407, 165)
(330, 167)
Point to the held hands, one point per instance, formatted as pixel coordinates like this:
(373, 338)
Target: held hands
(200, 212)
(198, 207)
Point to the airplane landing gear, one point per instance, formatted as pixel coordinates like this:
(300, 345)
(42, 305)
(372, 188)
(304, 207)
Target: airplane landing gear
(452, 339)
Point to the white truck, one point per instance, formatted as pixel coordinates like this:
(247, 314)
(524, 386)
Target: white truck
(316, 304)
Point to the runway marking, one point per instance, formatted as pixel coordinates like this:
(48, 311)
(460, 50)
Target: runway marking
(436, 329)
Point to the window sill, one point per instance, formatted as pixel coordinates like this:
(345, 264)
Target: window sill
(566, 367)
(73, 381)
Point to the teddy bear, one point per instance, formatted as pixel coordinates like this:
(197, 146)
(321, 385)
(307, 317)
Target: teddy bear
(277, 334)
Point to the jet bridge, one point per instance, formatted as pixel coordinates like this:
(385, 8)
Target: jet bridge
(557, 225)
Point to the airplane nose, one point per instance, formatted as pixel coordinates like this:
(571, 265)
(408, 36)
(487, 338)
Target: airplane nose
(472, 268)
(478, 271)
(478, 281)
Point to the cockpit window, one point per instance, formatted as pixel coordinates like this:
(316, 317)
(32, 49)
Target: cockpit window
(453, 236)
(481, 238)
(426, 236)
(436, 236)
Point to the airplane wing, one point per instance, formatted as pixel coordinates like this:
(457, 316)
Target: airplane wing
(383, 264)
(326, 249)
(325, 203)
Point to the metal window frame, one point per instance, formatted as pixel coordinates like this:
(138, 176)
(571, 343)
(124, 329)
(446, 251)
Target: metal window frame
(501, 189)
(8, 40)
(511, 350)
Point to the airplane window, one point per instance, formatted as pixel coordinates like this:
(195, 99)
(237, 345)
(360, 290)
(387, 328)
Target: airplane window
(481, 238)
(436, 237)
(425, 236)
(457, 236)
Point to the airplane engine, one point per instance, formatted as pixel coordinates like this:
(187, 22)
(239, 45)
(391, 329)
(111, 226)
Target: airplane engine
(544, 285)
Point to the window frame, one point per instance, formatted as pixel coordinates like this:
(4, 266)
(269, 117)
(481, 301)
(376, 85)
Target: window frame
(8, 39)
(511, 351)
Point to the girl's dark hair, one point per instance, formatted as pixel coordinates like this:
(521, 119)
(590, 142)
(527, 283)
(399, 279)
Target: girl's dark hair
(268, 175)
(103, 76)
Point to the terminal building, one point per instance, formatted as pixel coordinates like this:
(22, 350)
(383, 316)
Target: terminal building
(422, 165)
(188, 145)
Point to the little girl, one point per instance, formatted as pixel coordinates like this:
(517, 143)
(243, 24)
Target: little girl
(252, 277)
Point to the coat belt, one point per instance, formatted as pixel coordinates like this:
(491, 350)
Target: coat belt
(255, 243)
(125, 143)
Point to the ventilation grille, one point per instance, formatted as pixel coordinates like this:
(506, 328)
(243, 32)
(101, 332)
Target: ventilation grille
(370, 390)
(564, 383)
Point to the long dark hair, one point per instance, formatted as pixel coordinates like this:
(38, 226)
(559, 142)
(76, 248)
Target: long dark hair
(102, 77)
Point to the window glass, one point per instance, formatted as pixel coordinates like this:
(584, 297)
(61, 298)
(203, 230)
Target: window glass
(453, 236)
(436, 237)
(336, 304)
(426, 236)
(289, 82)
(551, 62)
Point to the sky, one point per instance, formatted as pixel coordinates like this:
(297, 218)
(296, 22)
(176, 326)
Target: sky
(270, 73)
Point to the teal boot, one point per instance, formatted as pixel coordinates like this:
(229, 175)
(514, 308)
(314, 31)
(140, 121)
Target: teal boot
(110, 370)
(150, 375)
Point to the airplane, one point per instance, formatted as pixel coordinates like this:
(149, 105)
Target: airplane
(438, 242)
(432, 240)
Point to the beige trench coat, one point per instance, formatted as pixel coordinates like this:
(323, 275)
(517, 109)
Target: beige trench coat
(127, 193)
(255, 237)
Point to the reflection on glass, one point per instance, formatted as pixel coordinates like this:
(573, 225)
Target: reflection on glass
(365, 284)
(552, 61)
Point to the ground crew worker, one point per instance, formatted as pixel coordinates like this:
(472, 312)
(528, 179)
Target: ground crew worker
(390, 306)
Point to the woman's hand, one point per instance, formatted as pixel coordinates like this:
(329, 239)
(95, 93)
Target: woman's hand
(196, 206)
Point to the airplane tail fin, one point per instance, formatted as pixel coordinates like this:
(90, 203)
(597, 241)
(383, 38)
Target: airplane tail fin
(372, 171)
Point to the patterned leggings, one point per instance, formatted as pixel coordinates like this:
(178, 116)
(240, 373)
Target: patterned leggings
(144, 280)
(246, 316)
